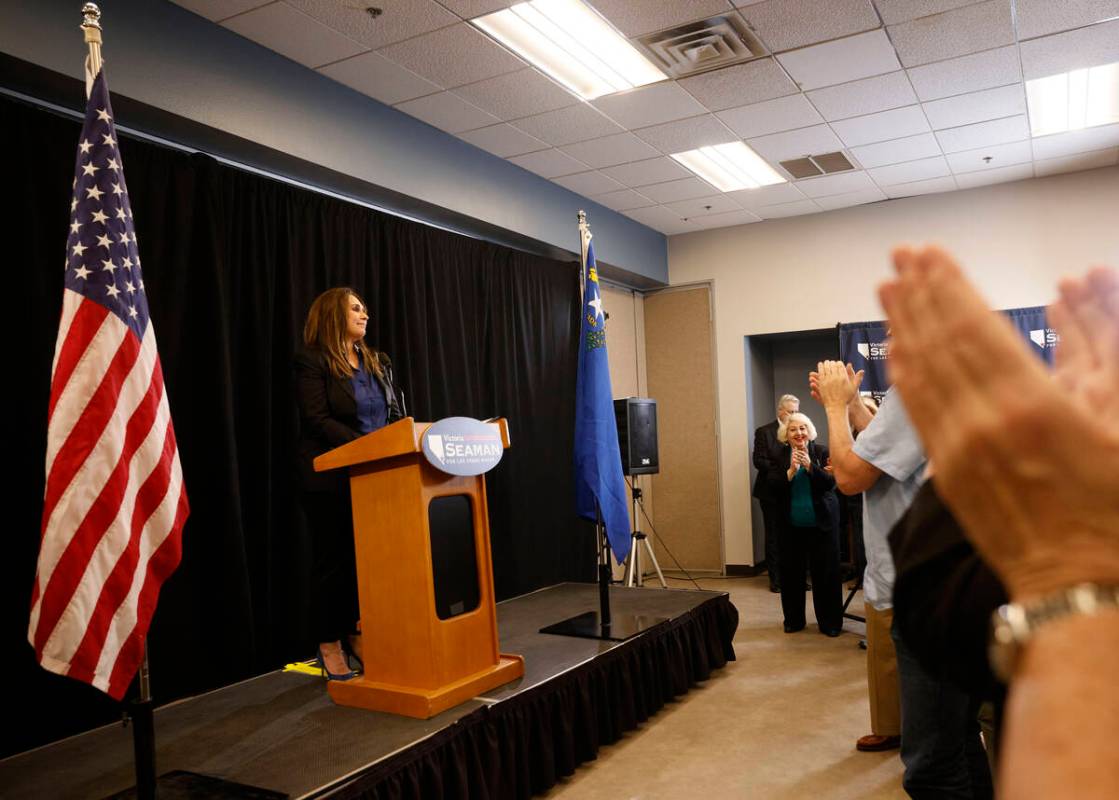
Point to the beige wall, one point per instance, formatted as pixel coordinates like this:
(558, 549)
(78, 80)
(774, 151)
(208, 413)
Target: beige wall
(811, 272)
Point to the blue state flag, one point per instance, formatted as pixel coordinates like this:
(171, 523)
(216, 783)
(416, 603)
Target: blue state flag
(598, 459)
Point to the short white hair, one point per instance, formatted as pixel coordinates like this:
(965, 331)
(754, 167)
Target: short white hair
(787, 398)
(783, 429)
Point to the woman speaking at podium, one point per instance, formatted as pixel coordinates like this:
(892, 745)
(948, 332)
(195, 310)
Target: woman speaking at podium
(343, 390)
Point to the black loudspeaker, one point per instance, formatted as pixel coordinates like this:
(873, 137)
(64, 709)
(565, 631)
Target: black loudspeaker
(637, 435)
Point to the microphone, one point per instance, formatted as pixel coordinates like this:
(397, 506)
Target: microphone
(386, 365)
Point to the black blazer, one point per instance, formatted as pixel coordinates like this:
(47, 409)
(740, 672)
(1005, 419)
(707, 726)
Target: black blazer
(765, 458)
(327, 417)
(824, 501)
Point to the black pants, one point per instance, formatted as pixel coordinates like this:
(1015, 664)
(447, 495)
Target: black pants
(772, 553)
(820, 550)
(334, 608)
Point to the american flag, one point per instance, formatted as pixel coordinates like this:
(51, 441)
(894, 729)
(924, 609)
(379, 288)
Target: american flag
(115, 503)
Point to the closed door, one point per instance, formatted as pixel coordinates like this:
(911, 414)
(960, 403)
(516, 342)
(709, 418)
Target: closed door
(681, 376)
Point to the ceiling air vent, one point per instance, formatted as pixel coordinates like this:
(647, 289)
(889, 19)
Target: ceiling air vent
(811, 166)
(702, 46)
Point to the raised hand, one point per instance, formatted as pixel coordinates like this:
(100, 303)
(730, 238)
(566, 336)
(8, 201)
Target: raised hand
(1007, 437)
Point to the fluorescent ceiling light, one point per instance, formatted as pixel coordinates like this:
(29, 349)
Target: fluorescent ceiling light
(729, 167)
(572, 44)
(1073, 100)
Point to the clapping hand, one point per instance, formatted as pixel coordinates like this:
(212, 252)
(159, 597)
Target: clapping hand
(1004, 433)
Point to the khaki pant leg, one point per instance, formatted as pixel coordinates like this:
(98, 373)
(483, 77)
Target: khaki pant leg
(882, 673)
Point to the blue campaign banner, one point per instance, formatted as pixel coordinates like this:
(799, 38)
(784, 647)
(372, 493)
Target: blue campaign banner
(863, 345)
(1033, 325)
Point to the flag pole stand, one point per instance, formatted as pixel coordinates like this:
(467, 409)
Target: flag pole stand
(604, 624)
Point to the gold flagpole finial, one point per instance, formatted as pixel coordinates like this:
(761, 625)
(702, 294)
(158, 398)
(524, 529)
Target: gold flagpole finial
(91, 27)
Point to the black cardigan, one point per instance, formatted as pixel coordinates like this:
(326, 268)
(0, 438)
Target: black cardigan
(327, 417)
(824, 501)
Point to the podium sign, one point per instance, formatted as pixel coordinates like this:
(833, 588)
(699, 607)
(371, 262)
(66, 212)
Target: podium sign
(425, 576)
(463, 446)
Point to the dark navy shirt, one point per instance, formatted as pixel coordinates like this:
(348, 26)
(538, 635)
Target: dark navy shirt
(372, 411)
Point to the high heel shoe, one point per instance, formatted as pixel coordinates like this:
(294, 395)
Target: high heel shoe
(334, 676)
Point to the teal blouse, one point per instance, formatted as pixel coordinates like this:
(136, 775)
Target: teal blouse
(802, 513)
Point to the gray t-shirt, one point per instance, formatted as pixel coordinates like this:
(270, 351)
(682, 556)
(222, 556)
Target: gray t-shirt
(891, 444)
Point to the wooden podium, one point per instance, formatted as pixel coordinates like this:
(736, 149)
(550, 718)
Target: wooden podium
(428, 623)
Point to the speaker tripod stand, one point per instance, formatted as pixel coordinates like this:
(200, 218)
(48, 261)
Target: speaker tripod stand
(633, 574)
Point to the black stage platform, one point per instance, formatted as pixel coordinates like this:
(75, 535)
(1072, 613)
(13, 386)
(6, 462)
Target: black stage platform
(281, 732)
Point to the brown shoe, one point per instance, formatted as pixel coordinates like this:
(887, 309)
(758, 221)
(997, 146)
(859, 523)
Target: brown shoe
(873, 743)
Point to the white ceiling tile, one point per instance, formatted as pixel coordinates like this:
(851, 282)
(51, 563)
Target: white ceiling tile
(726, 220)
(931, 186)
(967, 74)
(986, 177)
(866, 96)
(1078, 162)
(684, 189)
(687, 134)
(1043, 17)
(895, 11)
(374, 75)
(662, 219)
(1067, 144)
(468, 9)
(401, 19)
(1064, 52)
(796, 209)
(517, 94)
(635, 17)
(448, 112)
(292, 33)
(569, 125)
(649, 105)
(549, 163)
(983, 134)
(701, 206)
(841, 61)
(985, 158)
(643, 173)
(738, 85)
(910, 148)
(849, 199)
(588, 183)
(767, 195)
(623, 200)
(503, 140)
(796, 144)
(217, 10)
(839, 183)
(771, 116)
(788, 24)
(964, 109)
(893, 124)
(910, 171)
(954, 33)
(454, 56)
(621, 148)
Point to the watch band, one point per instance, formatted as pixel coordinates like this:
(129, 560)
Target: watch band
(1014, 624)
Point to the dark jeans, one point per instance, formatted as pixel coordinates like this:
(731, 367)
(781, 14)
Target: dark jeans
(820, 550)
(334, 607)
(940, 744)
(772, 555)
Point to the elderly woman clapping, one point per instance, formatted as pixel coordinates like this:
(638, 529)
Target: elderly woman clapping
(808, 527)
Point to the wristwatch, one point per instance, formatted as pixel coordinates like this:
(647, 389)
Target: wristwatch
(1014, 624)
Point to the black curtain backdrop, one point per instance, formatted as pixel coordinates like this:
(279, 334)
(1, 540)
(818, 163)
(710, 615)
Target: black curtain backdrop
(232, 261)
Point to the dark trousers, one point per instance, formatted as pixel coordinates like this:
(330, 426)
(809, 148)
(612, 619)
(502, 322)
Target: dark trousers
(334, 607)
(940, 746)
(819, 550)
(772, 554)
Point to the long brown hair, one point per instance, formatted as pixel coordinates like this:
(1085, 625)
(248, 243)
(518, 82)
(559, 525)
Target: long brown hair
(325, 329)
